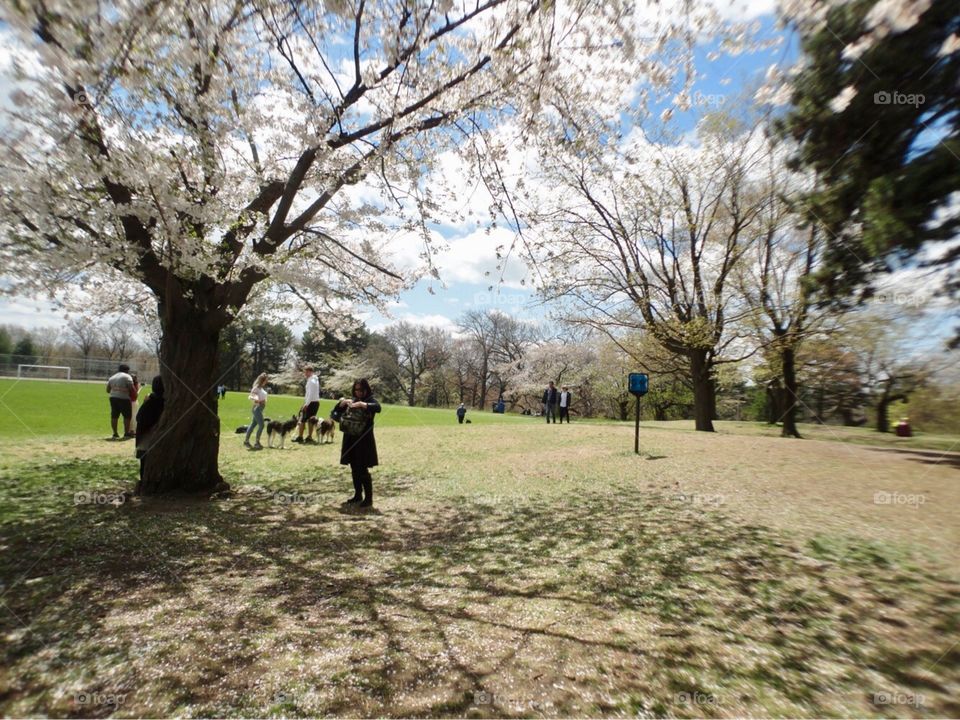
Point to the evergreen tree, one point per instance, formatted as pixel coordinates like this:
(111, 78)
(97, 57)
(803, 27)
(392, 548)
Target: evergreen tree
(6, 343)
(24, 350)
(324, 349)
(876, 112)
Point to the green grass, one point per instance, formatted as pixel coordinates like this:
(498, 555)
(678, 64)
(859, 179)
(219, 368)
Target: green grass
(510, 569)
(31, 408)
(37, 408)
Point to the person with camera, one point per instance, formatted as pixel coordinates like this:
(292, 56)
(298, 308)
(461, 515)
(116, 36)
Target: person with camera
(359, 448)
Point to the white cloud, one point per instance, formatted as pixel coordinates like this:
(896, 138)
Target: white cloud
(666, 12)
(29, 313)
(427, 320)
(473, 259)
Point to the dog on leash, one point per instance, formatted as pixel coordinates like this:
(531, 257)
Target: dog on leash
(328, 428)
(323, 428)
(281, 428)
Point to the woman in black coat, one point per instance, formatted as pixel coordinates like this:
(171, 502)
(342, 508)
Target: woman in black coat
(359, 449)
(147, 418)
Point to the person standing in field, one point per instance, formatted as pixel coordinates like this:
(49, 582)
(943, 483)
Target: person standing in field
(119, 388)
(147, 419)
(311, 404)
(566, 399)
(550, 399)
(461, 413)
(258, 395)
(359, 448)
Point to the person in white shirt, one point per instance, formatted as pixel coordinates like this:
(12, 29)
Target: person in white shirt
(119, 388)
(311, 404)
(566, 398)
(259, 398)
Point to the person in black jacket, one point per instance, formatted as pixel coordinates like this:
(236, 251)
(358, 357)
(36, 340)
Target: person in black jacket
(550, 400)
(359, 449)
(565, 400)
(147, 418)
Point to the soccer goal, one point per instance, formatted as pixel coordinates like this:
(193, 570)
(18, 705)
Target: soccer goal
(42, 371)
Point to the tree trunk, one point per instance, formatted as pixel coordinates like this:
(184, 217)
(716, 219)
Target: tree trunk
(772, 406)
(790, 390)
(623, 406)
(483, 386)
(883, 421)
(183, 458)
(704, 391)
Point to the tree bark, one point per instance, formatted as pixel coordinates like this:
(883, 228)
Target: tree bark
(774, 405)
(660, 410)
(483, 385)
(184, 456)
(704, 391)
(883, 409)
(790, 390)
(883, 421)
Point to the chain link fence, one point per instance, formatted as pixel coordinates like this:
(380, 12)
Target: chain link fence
(41, 367)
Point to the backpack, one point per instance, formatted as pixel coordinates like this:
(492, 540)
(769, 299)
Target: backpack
(354, 421)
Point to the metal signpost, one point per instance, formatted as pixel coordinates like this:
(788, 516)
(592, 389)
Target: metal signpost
(638, 385)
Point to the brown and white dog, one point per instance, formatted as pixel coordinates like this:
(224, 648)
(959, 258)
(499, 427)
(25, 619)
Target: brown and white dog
(328, 428)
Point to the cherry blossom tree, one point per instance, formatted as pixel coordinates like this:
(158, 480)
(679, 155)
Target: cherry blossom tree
(198, 156)
(646, 236)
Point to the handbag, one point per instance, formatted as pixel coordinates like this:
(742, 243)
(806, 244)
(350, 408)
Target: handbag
(354, 421)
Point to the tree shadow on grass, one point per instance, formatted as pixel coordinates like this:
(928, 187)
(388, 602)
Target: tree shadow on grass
(259, 605)
(927, 457)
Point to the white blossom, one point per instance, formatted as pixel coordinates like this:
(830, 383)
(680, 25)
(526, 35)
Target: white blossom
(843, 100)
(950, 46)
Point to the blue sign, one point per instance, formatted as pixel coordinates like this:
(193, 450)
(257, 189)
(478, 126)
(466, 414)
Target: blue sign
(638, 384)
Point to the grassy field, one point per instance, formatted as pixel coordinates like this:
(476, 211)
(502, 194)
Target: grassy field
(31, 408)
(509, 569)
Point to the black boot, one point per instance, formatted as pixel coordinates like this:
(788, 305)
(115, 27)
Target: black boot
(357, 488)
(367, 489)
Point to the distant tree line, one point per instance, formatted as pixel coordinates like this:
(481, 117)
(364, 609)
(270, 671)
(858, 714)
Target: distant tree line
(91, 345)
